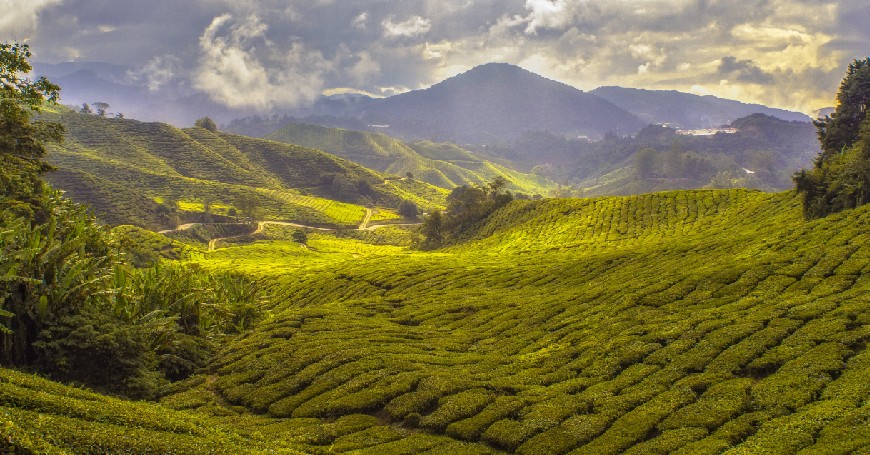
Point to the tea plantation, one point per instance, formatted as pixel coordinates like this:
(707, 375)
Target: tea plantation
(692, 322)
(443, 164)
(126, 170)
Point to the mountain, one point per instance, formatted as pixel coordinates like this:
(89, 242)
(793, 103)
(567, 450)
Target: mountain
(757, 151)
(491, 103)
(126, 169)
(444, 165)
(685, 110)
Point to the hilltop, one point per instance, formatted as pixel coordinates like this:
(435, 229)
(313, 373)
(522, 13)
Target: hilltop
(497, 101)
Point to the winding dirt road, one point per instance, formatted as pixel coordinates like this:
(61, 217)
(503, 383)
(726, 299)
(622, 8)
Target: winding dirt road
(261, 226)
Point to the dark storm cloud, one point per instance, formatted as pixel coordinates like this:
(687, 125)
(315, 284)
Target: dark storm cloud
(743, 71)
(284, 52)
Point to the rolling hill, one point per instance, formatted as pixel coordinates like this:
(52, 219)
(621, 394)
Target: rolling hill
(444, 165)
(688, 322)
(126, 169)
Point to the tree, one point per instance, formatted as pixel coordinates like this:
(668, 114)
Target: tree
(167, 213)
(206, 123)
(432, 231)
(22, 190)
(646, 162)
(101, 108)
(299, 236)
(840, 177)
(249, 205)
(85, 109)
(409, 175)
(840, 130)
(467, 206)
(407, 209)
(119, 115)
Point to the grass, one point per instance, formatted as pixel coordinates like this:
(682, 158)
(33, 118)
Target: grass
(679, 322)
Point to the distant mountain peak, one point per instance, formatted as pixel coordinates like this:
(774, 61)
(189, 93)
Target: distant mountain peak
(502, 72)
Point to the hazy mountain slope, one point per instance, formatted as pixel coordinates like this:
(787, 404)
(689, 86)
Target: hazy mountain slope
(443, 165)
(687, 322)
(764, 153)
(118, 164)
(492, 102)
(685, 110)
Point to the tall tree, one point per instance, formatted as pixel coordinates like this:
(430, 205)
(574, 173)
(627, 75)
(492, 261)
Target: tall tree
(101, 108)
(841, 129)
(840, 177)
(22, 190)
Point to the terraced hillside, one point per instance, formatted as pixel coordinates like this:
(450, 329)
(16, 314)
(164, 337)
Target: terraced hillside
(125, 168)
(445, 165)
(688, 322)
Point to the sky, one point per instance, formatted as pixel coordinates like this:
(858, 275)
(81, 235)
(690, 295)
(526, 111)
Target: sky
(272, 54)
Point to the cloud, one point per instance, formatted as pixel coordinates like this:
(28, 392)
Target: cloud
(269, 53)
(547, 14)
(239, 67)
(21, 17)
(157, 72)
(732, 69)
(361, 20)
(413, 26)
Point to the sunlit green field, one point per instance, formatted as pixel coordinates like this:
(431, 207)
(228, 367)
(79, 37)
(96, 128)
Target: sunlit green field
(682, 322)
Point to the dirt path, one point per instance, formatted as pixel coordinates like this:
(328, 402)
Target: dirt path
(182, 227)
(261, 226)
(378, 226)
(365, 222)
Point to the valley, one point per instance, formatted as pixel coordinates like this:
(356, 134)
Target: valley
(465, 280)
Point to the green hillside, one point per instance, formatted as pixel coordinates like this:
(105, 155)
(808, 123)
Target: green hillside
(125, 169)
(698, 321)
(444, 165)
(680, 322)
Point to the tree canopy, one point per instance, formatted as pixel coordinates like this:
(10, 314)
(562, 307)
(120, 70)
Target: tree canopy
(22, 191)
(206, 123)
(467, 205)
(840, 177)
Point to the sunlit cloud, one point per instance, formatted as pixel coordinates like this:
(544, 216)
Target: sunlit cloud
(273, 53)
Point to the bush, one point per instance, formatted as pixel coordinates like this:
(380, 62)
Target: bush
(102, 351)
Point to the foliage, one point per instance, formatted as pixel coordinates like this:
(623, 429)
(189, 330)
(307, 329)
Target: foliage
(840, 177)
(684, 322)
(671, 321)
(22, 191)
(206, 123)
(840, 130)
(50, 271)
(100, 108)
(466, 206)
(299, 236)
(407, 209)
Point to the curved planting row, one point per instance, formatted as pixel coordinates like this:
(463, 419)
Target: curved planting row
(687, 322)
